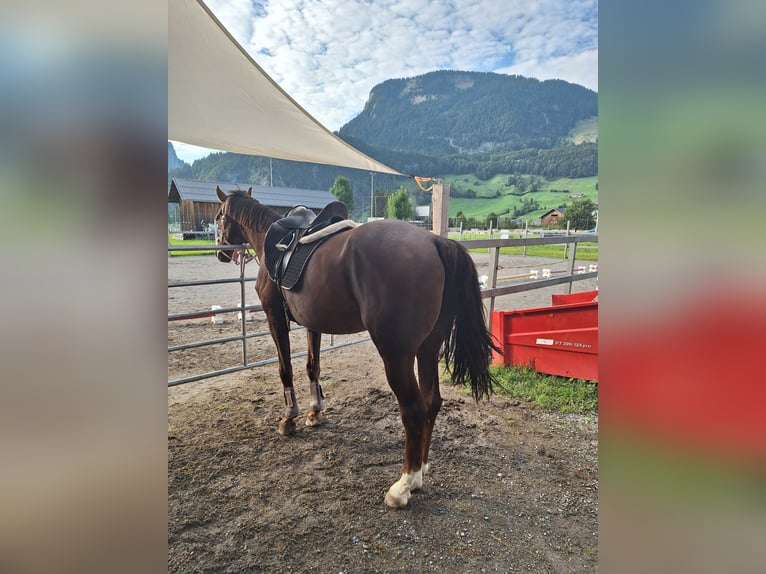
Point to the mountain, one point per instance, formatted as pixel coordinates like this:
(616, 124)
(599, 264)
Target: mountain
(441, 123)
(464, 113)
(173, 160)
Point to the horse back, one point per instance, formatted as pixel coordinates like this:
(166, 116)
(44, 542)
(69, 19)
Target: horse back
(384, 267)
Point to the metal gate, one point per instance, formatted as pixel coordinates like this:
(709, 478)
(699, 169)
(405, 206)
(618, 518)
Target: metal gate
(242, 310)
(490, 292)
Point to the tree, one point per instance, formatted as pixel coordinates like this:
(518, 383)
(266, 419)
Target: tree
(341, 189)
(580, 214)
(400, 206)
(527, 205)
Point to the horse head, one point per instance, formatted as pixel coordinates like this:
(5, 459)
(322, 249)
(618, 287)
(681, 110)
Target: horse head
(228, 230)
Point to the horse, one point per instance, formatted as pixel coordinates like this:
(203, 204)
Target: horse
(417, 295)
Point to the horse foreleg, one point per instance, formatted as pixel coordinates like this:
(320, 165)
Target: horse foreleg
(280, 332)
(315, 416)
(401, 378)
(287, 424)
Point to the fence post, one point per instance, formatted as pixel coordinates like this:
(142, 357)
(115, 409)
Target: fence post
(440, 201)
(571, 265)
(489, 302)
(526, 230)
(242, 264)
(566, 245)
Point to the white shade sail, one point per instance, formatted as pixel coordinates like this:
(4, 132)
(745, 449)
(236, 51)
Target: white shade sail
(219, 98)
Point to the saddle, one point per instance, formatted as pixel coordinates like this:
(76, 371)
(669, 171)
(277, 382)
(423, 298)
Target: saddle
(290, 241)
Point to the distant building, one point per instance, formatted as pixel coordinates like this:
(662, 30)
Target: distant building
(422, 211)
(198, 202)
(552, 217)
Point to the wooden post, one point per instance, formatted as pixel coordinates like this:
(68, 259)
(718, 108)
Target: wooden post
(440, 208)
(489, 302)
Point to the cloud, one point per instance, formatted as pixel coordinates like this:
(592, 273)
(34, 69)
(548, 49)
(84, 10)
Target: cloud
(580, 68)
(329, 54)
(236, 15)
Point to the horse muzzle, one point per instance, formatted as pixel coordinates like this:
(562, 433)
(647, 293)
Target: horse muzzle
(227, 256)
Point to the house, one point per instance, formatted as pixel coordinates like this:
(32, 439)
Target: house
(197, 201)
(552, 217)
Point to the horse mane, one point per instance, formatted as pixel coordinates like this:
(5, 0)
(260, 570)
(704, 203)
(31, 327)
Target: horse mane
(250, 212)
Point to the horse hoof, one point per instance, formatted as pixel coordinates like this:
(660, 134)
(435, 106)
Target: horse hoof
(287, 427)
(400, 492)
(397, 500)
(314, 419)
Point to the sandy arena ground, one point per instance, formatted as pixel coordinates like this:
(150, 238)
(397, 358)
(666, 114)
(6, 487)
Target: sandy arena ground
(512, 489)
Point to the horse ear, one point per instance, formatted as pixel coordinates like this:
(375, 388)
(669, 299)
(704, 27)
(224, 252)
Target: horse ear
(221, 195)
(250, 191)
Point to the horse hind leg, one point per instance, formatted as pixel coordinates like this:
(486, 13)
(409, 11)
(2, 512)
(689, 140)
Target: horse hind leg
(428, 377)
(401, 377)
(315, 416)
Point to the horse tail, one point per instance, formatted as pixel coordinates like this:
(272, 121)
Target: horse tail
(468, 348)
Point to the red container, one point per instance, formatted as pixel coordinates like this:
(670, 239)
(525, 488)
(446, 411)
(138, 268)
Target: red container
(583, 297)
(559, 340)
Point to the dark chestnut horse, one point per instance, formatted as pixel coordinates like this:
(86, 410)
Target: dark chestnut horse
(417, 294)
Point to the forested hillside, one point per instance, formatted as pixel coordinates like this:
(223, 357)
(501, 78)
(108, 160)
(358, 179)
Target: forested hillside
(445, 113)
(173, 161)
(459, 123)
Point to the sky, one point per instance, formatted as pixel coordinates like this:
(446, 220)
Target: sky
(329, 54)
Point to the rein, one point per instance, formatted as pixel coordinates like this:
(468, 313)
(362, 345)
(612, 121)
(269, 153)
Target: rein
(247, 257)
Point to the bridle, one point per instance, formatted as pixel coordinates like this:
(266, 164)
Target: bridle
(246, 257)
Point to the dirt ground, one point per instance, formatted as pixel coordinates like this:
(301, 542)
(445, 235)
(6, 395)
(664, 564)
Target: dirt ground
(511, 489)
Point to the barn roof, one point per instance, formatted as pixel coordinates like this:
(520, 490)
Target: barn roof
(204, 192)
(550, 211)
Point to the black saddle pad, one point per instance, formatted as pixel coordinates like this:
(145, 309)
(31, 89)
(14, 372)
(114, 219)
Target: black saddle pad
(285, 258)
(297, 264)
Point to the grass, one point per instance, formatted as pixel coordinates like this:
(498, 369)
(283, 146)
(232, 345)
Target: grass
(481, 207)
(552, 251)
(548, 392)
(190, 243)
(486, 200)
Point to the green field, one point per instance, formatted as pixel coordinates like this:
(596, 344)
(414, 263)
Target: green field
(487, 201)
(190, 243)
(586, 251)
